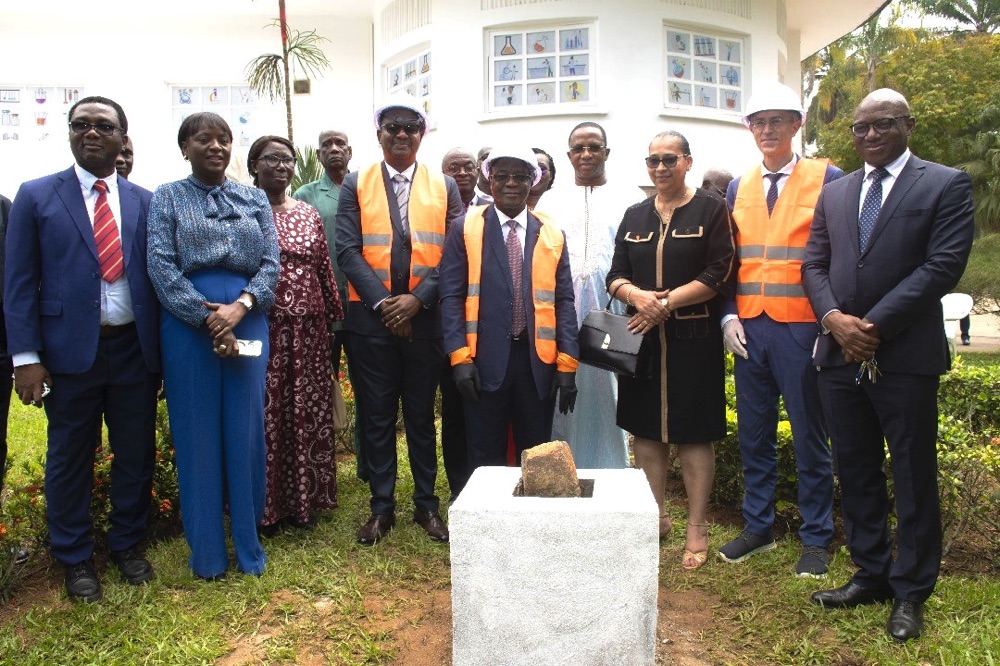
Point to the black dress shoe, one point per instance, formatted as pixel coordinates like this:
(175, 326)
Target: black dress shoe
(134, 568)
(82, 583)
(906, 620)
(851, 595)
(432, 524)
(378, 526)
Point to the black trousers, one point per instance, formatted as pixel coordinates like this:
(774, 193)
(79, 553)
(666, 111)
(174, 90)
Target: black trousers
(900, 410)
(516, 402)
(388, 371)
(454, 444)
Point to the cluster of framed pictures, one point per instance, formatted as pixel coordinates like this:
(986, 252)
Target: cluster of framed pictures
(704, 70)
(412, 75)
(236, 103)
(36, 113)
(539, 67)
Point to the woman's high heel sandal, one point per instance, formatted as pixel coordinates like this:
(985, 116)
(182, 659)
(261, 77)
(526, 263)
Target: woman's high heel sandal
(694, 559)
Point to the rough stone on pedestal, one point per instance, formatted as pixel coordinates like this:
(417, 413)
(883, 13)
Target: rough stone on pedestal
(554, 581)
(548, 470)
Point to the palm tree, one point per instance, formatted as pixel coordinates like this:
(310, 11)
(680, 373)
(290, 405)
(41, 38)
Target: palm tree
(983, 166)
(268, 74)
(982, 15)
(873, 42)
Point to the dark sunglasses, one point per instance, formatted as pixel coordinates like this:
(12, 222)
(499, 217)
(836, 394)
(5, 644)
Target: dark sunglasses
(82, 127)
(668, 160)
(410, 128)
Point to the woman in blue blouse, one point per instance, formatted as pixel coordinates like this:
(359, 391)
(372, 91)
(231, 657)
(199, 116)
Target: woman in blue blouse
(213, 260)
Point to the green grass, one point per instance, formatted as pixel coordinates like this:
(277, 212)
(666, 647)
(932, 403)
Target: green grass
(985, 359)
(324, 599)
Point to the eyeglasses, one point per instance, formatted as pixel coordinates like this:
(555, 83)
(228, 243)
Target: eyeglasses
(455, 169)
(519, 178)
(882, 126)
(410, 128)
(593, 148)
(668, 160)
(760, 124)
(274, 160)
(82, 127)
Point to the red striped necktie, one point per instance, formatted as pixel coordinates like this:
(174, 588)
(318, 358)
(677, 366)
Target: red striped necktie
(109, 244)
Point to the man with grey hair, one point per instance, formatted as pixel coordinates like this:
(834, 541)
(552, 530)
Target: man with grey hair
(886, 243)
(770, 329)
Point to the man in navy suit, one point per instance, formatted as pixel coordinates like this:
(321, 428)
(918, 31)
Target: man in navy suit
(82, 333)
(507, 314)
(391, 223)
(886, 243)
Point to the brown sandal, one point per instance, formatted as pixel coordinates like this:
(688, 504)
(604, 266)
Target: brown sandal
(693, 560)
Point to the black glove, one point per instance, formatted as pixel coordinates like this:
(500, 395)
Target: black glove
(566, 381)
(466, 378)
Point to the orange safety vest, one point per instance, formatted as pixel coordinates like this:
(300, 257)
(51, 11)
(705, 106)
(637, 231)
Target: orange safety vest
(771, 249)
(544, 262)
(426, 213)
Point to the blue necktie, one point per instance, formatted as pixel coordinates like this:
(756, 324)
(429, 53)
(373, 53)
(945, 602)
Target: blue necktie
(772, 192)
(870, 208)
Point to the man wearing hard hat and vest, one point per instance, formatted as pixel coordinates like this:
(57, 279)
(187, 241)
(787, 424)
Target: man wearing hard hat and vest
(771, 330)
(507, 314)
(391, 223)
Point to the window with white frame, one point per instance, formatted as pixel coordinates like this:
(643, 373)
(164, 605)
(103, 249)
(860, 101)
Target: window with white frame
(540, 66)
(236, 103)
(411, 74)
(704, 70)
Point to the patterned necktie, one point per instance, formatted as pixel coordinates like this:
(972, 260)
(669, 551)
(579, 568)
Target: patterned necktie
(402, 198)
(870, 208)
(516, 259)
(109, 244)
(772, 192)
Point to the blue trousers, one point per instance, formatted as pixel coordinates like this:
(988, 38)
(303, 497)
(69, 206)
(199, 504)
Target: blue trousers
(780, 365)
(216, 408)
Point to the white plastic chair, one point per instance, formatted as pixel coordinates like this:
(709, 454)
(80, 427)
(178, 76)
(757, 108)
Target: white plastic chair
(956, 307)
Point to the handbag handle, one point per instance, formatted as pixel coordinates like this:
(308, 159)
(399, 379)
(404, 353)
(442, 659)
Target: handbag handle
(611, 300)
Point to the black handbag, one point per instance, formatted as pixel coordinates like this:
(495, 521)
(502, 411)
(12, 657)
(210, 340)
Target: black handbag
(606, 343)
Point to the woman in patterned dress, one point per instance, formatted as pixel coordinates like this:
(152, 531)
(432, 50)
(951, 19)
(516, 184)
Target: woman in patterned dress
(301, 470)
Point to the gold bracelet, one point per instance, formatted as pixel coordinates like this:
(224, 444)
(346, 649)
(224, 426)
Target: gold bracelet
(628, 296)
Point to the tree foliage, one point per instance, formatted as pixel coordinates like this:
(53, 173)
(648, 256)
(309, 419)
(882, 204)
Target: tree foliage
(982, 15)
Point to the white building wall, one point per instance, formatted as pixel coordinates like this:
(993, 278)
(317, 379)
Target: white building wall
(149, 55)
(628, 62)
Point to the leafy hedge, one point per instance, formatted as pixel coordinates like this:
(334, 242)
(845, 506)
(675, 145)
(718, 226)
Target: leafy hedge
(968, 458)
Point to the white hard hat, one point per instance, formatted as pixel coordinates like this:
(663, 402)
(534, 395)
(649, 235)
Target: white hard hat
(526, 155)
(773, 96)
(401, 100)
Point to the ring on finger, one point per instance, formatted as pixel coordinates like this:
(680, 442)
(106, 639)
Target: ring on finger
(222, 347)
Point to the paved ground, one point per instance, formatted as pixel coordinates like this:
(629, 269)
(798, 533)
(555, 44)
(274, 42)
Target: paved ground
(985, 333)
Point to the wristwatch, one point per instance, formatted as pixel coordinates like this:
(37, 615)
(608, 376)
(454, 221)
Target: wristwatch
(246, 301)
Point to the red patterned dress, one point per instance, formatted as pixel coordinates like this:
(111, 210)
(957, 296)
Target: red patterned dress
(301, 471)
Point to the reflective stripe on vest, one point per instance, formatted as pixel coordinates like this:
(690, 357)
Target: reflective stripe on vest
(426, 213)
(771, 248)
(544, 263)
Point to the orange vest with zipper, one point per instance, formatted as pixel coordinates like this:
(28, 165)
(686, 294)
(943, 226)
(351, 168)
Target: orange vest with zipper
(544, 262)
(771, 248)
(426, 212)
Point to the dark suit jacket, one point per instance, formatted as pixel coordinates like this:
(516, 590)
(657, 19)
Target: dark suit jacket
(52, 291)
(916, 255)
(360, 317)
(495, 303)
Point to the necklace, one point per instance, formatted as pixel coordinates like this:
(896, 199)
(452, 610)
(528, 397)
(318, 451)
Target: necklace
(665, 209)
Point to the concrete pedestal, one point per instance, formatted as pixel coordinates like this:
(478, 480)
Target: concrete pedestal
(554, 581)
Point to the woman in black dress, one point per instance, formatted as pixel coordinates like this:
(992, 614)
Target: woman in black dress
(674, 263)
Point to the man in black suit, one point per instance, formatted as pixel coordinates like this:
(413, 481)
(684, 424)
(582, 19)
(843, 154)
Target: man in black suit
(391, 223)
(886, 243)
(83, 321)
